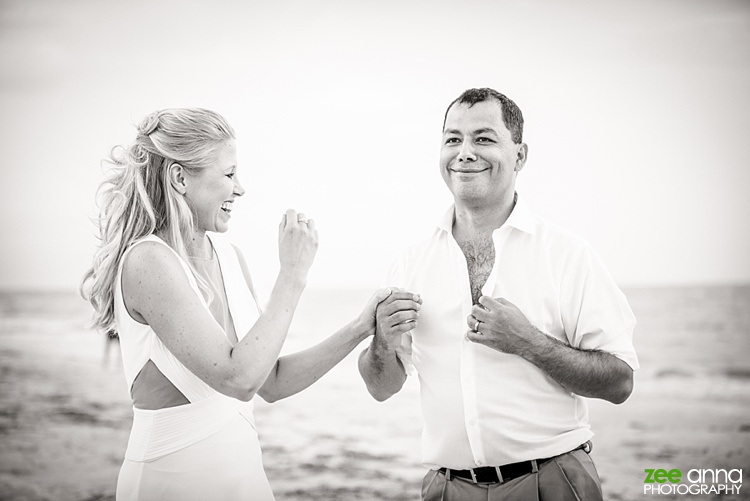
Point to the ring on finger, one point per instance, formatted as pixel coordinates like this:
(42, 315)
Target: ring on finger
(476, 326)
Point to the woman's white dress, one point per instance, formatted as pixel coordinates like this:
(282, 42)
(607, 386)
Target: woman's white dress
(207, 449)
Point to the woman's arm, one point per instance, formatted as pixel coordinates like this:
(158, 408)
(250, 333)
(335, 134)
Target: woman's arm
(293, 373)
(157, 292)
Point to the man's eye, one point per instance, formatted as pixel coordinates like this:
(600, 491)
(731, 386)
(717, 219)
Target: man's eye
(452, 140)
(230, 176)
(484, 140)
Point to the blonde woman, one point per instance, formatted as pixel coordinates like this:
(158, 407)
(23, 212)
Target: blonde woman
(196, 346)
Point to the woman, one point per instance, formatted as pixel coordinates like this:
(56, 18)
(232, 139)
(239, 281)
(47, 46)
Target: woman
(196, 347)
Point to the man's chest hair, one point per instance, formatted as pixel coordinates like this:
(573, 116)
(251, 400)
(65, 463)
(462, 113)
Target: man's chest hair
(480, 258)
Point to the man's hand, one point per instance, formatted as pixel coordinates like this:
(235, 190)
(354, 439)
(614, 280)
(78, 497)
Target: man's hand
(499, 324)
(379, 365)
(395, 315)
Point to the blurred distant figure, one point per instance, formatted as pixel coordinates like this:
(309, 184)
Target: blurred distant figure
(110, 340)
(196, 346)
(504, 416)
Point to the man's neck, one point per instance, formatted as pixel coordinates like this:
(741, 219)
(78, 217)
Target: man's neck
(473, 221)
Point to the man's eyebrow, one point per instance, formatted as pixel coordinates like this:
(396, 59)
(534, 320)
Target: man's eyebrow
(485, 131)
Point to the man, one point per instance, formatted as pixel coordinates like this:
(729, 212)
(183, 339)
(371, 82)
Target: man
(516, 320)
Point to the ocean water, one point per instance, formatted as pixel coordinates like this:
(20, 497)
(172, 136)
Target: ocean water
(65, 414)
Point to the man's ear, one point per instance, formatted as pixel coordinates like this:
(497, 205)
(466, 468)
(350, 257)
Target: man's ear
(177, 178)
(521, 155)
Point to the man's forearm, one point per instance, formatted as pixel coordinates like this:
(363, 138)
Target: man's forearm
(381, 369)
(589, 373)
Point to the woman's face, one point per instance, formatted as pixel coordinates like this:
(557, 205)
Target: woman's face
(210, 192)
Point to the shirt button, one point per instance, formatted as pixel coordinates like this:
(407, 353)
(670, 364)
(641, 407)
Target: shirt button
(480, 463)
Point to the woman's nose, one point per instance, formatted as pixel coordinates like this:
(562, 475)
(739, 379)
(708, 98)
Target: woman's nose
(238, 189)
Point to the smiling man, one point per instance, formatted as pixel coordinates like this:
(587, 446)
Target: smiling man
(512, 323)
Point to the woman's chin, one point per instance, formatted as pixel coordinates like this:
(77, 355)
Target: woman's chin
(221, 225)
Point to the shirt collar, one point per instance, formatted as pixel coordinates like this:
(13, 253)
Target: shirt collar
(520, 218)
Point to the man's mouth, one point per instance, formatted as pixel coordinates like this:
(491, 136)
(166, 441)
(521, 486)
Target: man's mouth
(467, 171)
(227, 206)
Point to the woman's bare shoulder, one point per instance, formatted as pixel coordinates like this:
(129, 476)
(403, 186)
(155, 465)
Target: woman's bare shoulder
(152, 272)
(150, 256)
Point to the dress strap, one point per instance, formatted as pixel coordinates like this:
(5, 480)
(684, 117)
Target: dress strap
(242, 304)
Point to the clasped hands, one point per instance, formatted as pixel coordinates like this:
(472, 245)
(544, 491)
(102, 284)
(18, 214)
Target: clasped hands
(396, 314)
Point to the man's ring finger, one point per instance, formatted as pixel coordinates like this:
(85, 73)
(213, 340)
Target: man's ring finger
(476, 326)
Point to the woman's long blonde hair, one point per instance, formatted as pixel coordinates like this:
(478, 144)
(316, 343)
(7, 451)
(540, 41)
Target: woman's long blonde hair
(137, 198)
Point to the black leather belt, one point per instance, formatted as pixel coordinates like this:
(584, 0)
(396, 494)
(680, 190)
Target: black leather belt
(505, 473)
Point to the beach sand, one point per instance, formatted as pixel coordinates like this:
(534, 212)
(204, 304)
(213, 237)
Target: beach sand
(65, 413)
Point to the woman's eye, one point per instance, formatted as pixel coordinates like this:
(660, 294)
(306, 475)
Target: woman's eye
(230, 176)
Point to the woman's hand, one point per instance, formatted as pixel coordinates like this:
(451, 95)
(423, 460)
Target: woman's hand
(298, 243)
(367, 317)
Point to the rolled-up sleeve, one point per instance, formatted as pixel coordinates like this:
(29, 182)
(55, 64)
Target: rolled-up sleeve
(595, 312)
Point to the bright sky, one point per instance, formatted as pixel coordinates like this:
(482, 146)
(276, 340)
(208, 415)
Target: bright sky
(636, 120)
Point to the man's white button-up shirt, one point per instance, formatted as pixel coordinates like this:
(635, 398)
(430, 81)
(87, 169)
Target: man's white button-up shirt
(483, 407)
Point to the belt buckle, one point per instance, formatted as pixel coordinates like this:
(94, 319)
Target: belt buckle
(473, 475)
(499, 475)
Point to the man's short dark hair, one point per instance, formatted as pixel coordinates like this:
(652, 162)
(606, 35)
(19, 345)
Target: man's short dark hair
(512, 115)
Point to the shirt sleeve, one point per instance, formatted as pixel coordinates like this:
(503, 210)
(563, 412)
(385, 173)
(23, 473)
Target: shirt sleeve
(595, 312)
(395, 279)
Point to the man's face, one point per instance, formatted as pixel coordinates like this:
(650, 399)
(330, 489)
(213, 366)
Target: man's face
(478, 158)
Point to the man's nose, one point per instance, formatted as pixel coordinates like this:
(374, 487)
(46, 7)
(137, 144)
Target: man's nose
(467, 152)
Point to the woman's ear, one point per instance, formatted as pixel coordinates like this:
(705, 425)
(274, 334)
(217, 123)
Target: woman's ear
(177, 178)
